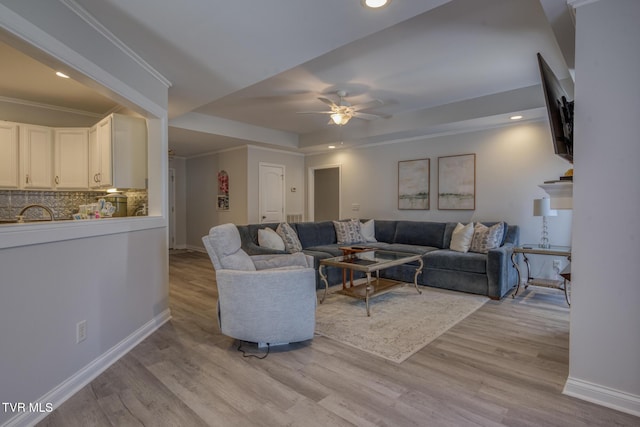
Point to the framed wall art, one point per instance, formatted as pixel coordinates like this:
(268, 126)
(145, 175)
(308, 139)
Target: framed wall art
(413, 184)
(457, 182)
(223, 191)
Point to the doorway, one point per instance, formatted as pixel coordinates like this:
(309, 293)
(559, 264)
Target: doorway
(325, 193)
(271, 192)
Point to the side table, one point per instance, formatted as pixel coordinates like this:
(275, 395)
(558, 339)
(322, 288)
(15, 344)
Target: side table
(535, 249)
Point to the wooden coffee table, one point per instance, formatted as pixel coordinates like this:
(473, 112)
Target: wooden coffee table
(371, 261)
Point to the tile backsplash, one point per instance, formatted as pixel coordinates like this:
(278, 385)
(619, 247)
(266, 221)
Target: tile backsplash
(62, 203)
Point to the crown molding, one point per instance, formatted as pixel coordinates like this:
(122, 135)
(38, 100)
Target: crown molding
(50, 107)
(577, 3)
(95, 24)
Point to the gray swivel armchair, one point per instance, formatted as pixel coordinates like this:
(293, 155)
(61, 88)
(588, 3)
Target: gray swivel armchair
(266, 299)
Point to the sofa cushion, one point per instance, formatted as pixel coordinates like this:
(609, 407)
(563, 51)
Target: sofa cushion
(289, 237)
(333, 250)
(268, 238)
(485, 238)
(348, 232)
(451, 260)
(423, 233)
(461, 238)
(385, 230)
(316, 233)
(412, 249)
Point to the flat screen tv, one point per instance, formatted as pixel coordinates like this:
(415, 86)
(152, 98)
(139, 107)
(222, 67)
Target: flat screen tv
(560, 112)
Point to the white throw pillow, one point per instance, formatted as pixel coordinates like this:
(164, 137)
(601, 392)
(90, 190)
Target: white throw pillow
(368, 231)
(461, 238)
(268, 238)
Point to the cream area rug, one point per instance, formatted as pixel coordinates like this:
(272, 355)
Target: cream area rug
(401, 323)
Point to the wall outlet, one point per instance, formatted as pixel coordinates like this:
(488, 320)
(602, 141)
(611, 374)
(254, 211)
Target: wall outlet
(81, 331)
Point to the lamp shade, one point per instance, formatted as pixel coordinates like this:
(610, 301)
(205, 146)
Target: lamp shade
(542, 207)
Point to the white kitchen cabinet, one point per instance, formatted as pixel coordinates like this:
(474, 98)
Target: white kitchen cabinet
(36, 157)
(9, 147)
(71, 160)
(118, 153)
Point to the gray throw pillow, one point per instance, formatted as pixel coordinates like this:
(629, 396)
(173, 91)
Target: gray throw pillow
(485, 238)
(348, 232)
(289, 237)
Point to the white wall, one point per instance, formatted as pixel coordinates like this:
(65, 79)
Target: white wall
(605, 314)
(235, 163)
(113, 282)
(201, 192)
(510, 163)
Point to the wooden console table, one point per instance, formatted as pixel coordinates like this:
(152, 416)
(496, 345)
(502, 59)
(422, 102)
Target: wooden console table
(534, 249)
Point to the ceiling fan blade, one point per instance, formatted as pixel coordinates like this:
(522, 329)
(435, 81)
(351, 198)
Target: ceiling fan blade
(328, 102)
(366, 116)
(314, 112)
(366, 105)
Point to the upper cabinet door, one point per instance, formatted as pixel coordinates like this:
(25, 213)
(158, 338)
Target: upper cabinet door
(36, 153)
(104, 144)
(71, 158)
(9, 158)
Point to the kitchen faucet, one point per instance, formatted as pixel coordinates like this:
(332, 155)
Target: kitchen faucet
(26, 208)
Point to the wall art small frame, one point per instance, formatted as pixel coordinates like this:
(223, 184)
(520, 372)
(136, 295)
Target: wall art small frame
(222, 202)
(457, 182)
(413, 184)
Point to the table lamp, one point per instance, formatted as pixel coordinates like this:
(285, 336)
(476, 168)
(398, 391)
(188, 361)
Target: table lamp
(542, 207)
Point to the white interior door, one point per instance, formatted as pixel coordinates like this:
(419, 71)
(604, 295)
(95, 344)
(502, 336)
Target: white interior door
(271, 193)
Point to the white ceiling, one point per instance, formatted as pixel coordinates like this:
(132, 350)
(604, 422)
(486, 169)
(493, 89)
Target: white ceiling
(241, 70)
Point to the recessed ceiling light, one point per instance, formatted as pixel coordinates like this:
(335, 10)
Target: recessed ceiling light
(61, 74)
(375, 4)
(515, 117)
(332, 146)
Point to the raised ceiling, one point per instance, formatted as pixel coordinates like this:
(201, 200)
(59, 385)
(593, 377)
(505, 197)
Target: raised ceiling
(240, 71)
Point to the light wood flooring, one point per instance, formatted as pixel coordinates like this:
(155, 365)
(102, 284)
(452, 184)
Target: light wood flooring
(504, 365)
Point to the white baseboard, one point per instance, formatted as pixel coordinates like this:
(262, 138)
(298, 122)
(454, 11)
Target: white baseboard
(196, 248)
(84, 376)
(595, 393)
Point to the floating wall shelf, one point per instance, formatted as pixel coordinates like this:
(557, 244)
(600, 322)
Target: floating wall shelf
(561, 194)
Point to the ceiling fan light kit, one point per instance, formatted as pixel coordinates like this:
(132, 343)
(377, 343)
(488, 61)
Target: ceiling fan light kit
(342, 111)
(375, 4)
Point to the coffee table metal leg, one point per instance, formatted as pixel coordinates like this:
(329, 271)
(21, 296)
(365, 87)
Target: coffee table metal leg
(415, 277)
(323, 277)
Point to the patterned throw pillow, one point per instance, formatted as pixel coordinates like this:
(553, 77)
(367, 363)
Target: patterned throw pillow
(485, 238)
(289, 237)
(461, 238)
(348, 232)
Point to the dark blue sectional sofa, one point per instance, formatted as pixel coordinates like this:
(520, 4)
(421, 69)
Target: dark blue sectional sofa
(489, 274)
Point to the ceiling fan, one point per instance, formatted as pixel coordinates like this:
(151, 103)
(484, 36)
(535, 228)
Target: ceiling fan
(342, 111)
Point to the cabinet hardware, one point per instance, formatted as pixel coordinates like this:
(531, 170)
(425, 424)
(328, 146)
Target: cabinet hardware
(57, 179)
